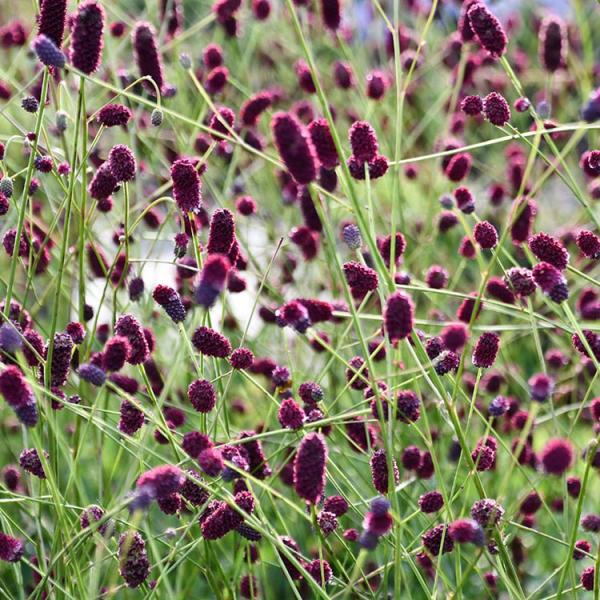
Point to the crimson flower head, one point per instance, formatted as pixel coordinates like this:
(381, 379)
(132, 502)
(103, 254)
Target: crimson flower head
(147, 55)
(485, 235)
(550, 250)
(487, 29)
(295, 147)
(11, 549)
(86, 36)
(162, 481)
(379, 471)
(186, 185)
(553, 43)
(254, 107)
(202, 395)
(486, 349)
(363, 141)
(361, 279)
(113, 115)
(212, 280)
(322, 140)
(310, 467)
(211, 343)
(398, 316)
(30, 461)
(221, 236)
(170, 300)
(134, 566)
(122, 163)
(557, 456)
(551, 281)
(52, 20)
(588, 243)
(496, 109)
(129, 327)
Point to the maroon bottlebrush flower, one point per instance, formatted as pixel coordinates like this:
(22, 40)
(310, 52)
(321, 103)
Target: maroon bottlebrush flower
(134, 566)
(136, 289)
(220, 518)
(305, 79)
(103, 183)
(408, 406)
(343, 75)
(212, 56)
(4, 203)
(215, 83)
(61, 359)
(131, 418)
(380, 471)
(472, 105)
(128, 326)
(91, 515)
(211, 343)
(186, 185)
(52, 20)
(291, 415)
(257, 461)
(487, 512)
(331, 13)
(466, 248)
(294, 314)
(582, 549)
(541, 387)
(593, 340)
(294, 146)
(377, 84)
(320, 134)
(14, 387)
(466, 308)
(484, 457)
(498, 289)
(436, 277)
(212, 280)
(327, 522)
(191, 491)
(30, 461)
(122, 163)
(171, 504)
(496, 109)
(170, 300)
(361, 279)
(464, 531)
(11, 477)
(591, 523)
(525, 214)
(76, 331)
(447, 220)
(437, 540)
(86, 37)
(195, 442)
(127, 384)
(486, 349)
(11, 549)
(587, 578)
(589, 244)
(485, 235)
(320, 570)
(521, 281)
(47, 52)
(43, 164)
(221, 123)
(245, 205)
(458, 167)
(384, 245)
(530, 504)
(221, 235)
(363, 141)
(254, 107)
(310, 467)
(147, 55)
(487, 29)
(241, 358)
(398, 316)
(553, 43)
(551, 281)
(431, 502)
(356, 373)
(202, 395)
(411, 457)
(161, 481)
(557, 456)
(307, 240)
(550, 250)
(336, 505)
(318, 310)
(116, 352)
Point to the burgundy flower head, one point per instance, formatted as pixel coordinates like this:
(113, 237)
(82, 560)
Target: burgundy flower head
(86, 36)
(496, 109)
(221, 235)
(253, 108)
(295, 147)
(557, 456)
(211, 343)
(398, 316)
(134, 566)
(186, 185)
(322, 140)
(161, 481)
(52, 20)
(363, 141)
(550, 250)
(487, 29)
(11, 549)
(310, 467)
(485, 235)
(553, 43)
(202, 395)
(212, 280)
(129, 327)
(379, 471)
(486, 349)
(147, 55)
(551, 281)
(589, 244)
(170, 300)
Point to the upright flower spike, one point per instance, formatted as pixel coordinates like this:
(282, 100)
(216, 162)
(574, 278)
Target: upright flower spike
(211, 343)
(134, 566)
(550, 250)
(11, 549)
(310, 466)
(87, 37)
(380, 471)
(122, 163)
(487, 29)
(186, 185)
(52, 20)
(170, 300)
(496, 109)
(202, 395)
(61, 359)
(322, 140)
(363, 141)
(212, 280)
(486, 350)
(128, 326)
(147, 55)
(553, 43)
(398, 316)
(331, 12)
(221, 236)
(294, 146)
(47, 52)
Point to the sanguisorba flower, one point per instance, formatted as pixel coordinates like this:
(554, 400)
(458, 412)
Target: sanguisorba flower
(122, 163)
(113, 115)
(323, 143)
(487, 29)
(134, 566)
(557, 456)
(221, 236)
(486, 350)
(331, 13)
(147, 55)
(202, 395)
(186, 185)
(170, 300)
(553, 43)
(550, 250)
(128, 326)
(86, 37)
(212, 280)
(496, 109)
(398, 316)
(588, 243)
(295, 147)
(47, 52)
(211, 343)
(310, 465)
(11, 549)
(52, 20)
